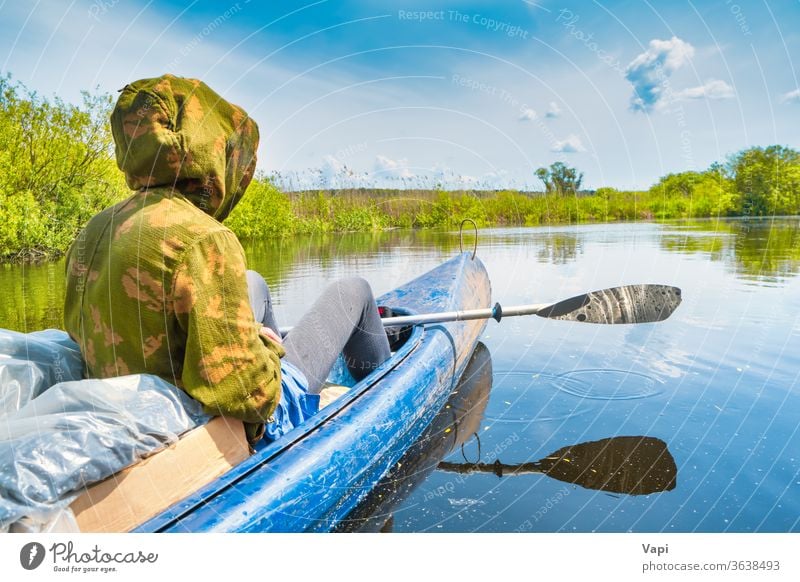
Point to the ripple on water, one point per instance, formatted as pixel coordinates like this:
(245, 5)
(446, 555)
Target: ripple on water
(601, 384)
(529, 397)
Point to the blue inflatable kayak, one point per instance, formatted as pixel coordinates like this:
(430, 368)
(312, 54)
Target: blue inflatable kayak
(314, 476)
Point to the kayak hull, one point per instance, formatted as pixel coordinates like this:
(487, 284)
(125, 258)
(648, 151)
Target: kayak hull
(313, 477)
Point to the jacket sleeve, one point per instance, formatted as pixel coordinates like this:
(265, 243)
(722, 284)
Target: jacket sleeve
(228, 366)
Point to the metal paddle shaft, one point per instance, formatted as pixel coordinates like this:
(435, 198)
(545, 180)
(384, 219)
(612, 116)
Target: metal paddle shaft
(628, 304)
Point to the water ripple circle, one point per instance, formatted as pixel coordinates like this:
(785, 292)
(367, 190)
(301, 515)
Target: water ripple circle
(609, 384)
(536, 400)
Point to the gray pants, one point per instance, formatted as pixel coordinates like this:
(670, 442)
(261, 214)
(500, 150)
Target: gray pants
(343, 320)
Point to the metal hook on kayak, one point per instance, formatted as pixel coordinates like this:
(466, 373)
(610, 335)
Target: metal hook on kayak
(461, 236)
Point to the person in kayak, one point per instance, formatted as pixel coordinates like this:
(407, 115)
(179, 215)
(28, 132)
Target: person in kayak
(157, 284)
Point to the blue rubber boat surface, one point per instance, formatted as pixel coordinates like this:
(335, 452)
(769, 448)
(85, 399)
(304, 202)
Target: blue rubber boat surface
(313, 477)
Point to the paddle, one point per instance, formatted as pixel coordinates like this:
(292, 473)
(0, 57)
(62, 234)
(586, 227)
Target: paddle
(635, 465)
(628, 304)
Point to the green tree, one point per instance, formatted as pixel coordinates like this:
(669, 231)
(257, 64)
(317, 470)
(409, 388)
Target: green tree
(767, 180)
(681, 184)
(695, 194)
(560, 179)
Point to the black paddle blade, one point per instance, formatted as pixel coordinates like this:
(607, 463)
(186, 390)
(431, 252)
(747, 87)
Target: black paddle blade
(635, 465)
(628, 304)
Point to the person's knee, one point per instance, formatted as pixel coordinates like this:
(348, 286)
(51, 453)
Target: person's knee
(256, 284)
(260, 302)
(356, 287)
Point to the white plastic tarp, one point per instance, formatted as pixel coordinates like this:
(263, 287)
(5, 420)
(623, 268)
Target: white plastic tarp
(57, 438)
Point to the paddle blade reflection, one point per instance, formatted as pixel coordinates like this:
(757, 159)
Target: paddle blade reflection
(635, 465)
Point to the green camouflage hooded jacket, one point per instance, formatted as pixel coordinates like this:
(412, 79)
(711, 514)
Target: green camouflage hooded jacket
(156, 284)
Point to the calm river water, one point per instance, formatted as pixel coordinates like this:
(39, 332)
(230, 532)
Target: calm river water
(718, 382)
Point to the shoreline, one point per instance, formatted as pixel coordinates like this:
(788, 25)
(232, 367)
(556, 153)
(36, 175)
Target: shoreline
(40, 257)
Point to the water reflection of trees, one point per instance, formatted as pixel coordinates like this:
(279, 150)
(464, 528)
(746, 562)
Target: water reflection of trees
(32, 296)
(277, 258)
(559, 248)
(765, 250)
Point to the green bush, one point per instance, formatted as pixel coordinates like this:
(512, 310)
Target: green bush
(56, 170)
(22, 226)
(264, 211)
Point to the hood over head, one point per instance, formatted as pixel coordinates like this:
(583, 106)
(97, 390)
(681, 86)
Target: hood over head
(178, 133)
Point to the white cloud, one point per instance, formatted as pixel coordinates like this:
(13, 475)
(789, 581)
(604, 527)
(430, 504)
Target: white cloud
(488, 181)
(712, 89)
(333, 173)
(496, 180)
(649, 72)
(553, 110)
(570, 145)
(449, 179)
(389, 168)
(388, 173)
(791, 97)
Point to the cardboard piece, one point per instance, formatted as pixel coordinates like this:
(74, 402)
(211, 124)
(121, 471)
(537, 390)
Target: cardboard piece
(134, 495)
(331, 393)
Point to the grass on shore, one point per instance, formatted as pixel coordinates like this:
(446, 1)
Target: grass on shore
(267, 211)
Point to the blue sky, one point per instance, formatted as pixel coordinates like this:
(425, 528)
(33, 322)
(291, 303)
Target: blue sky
(414, 93)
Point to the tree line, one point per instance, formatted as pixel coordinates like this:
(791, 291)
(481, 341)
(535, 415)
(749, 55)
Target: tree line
(758, 181)
(57, 170)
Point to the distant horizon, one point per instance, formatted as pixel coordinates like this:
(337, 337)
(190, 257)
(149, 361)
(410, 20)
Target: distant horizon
(361, 182)
(461, 94)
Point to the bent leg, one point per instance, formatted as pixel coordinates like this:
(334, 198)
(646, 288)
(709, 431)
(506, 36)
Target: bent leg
(260, 300)
(344, 320)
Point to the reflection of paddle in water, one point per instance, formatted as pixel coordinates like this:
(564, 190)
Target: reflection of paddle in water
(635, 465)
